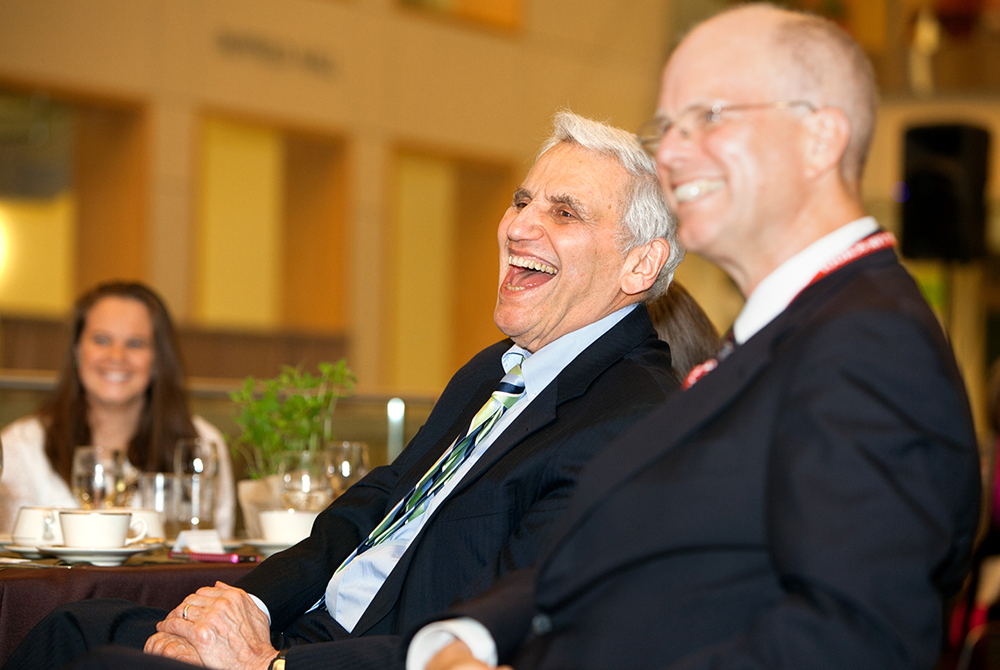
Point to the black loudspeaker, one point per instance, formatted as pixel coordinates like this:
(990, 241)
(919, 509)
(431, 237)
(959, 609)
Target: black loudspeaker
(945, 172)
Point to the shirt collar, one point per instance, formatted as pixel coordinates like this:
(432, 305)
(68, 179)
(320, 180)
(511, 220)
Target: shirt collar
(540, 368)
(773, 295)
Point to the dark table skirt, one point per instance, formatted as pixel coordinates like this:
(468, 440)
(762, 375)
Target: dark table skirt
(28, 594)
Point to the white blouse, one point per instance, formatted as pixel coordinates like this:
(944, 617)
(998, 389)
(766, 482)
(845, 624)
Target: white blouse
(29, 479)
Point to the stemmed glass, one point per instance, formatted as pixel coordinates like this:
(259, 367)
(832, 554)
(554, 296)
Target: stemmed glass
(346, 463)
(98, 477)
(304, 484)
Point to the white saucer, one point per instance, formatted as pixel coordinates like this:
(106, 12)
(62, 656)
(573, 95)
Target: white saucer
(24, 552)
(265, 548)
(94, 556)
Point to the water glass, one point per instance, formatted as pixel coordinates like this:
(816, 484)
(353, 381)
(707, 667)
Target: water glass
(195, 465)
(195, 456)
(162, 492)
(304, 484)
(346, 463)
(98, 477)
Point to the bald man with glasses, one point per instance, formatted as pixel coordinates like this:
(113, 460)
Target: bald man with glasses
(810, 499)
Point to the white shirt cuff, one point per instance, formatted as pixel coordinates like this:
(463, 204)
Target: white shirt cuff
(434, 637)
(260, 604)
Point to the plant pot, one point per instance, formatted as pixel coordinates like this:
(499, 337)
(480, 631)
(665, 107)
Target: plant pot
(256, 495)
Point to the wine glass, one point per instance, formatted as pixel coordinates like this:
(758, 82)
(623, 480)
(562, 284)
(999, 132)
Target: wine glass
(346, 463)
(195, 465)
(304, 484)
(98, 477)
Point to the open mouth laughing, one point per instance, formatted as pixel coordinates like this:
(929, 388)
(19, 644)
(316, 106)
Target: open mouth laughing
(524, 273)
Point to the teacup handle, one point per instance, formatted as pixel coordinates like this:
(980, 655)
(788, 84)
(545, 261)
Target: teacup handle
(139, 534)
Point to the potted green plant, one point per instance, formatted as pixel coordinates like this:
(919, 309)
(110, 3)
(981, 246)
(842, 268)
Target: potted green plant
(288, 418)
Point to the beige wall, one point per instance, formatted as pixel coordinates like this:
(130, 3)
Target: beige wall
(371, 77)
(365, 70)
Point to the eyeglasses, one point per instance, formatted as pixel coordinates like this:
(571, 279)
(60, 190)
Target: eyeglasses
(696, 120)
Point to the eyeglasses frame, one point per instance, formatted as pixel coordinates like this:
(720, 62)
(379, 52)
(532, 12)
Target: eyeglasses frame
(651, 133)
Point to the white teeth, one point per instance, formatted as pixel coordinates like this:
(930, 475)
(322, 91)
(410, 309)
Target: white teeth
(693, 189)
(115, 376)
(530, 264)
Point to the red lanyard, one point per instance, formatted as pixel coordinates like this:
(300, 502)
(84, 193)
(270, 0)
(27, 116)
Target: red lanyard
(869, 245)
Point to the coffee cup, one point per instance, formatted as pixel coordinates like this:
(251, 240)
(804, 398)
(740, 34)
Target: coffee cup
(37, 527)
(153, 519)
(286, 526)
(101, 529)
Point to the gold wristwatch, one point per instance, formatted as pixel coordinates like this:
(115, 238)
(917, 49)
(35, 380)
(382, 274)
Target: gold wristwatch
(278, 662)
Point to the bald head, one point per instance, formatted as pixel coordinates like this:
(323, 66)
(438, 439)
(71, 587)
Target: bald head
(806, 57)
(768, 116)
(828, 68)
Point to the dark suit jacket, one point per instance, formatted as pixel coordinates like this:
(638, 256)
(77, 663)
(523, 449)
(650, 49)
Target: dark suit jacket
(807, 504)
(497, 519)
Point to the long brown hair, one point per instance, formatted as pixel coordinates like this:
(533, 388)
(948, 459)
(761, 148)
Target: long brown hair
(164, 418)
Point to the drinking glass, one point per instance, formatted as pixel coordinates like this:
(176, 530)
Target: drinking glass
(195, 465)
(304, 484)
(346, 463)
(162, 491)
(98, 477)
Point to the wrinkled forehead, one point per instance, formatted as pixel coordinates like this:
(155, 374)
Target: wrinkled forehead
(570, 168)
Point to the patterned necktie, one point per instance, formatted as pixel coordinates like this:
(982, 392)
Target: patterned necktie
(511, 388)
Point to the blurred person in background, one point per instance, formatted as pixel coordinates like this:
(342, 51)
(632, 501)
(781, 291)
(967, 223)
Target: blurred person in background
(682, 323)
(120, 387)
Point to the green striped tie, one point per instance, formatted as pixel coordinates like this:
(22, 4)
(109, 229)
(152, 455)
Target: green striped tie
(511, 388)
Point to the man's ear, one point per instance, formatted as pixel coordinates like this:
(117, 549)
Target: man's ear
(829, 132)
(643, 265)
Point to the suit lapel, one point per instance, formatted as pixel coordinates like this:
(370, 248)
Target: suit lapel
(570, 383)
(686, 412)
(663, 429)
(442, 442)
(389, 592)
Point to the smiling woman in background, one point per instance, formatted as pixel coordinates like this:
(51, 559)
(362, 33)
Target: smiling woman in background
(121, 387)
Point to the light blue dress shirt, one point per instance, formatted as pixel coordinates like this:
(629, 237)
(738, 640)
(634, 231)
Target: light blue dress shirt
(352, 590)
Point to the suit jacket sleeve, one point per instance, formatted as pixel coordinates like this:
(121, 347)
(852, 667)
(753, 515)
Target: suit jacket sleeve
(868, 502)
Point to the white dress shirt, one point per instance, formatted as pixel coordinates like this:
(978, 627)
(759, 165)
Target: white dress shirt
(776, 292)
(771, 297)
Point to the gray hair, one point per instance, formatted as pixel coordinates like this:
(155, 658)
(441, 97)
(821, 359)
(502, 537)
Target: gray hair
(646, 215)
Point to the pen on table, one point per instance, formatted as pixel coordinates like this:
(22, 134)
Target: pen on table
(212, 558)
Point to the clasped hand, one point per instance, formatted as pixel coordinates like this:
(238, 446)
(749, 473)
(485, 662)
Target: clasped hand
(458, 656)
(217, 627)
